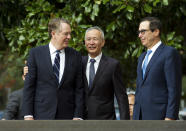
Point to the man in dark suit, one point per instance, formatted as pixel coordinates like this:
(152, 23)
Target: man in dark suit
(13, 108)
(53, 86)
(158, 89)
(14, 104)
(102, 80)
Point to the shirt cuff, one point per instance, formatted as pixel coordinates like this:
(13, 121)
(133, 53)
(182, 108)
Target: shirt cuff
(28, 116)
(78, 118)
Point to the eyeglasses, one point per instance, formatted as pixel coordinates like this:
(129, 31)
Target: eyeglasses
(142, 31)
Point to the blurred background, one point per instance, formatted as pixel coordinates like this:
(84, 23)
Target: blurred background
(23, 25)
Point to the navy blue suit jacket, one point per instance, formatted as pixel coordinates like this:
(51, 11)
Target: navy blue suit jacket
(43, 96)
(158, 94)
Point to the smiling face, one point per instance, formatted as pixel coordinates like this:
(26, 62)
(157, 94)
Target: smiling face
(61, 37)
(94, 42)
(148, 37)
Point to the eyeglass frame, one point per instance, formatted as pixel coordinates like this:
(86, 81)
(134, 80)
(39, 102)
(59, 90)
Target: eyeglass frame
(143, 31)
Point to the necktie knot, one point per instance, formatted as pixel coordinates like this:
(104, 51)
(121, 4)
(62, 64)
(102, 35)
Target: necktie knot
(58, 51)
(92, 61)
(149, 52)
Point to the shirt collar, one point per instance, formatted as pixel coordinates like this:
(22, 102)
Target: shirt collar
(97, 58)
(53, 49)
(156, 46)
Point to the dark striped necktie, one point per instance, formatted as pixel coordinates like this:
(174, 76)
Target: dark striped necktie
(91, 72)
(56, 66)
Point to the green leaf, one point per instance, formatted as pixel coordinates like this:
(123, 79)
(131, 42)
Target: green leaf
(31, 14)
(88, 9)
(98, 2)
(170, 36)
(111, 27)
(95, 9)
(119, 8)
(156, 2)
(135, 52)
(105, 1)
(92, 17)
(130, 8)
(148, 8)
(79, 18)
(165, 2)
(21, 37)
(183, 10)
(60, 1)
(42, 27)
(84, 26)
(129, 16)
(136, 1)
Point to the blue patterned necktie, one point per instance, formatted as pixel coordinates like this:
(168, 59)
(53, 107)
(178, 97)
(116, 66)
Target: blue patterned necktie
(56, 66)
(91, 72)
(145, 63)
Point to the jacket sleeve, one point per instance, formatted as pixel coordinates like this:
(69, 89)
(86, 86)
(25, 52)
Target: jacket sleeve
(120, 93)
(29, 86)
(172, 69)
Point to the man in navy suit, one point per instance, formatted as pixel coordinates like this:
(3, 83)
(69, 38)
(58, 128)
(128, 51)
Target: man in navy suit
(53, 87)
(105, 81)
(158, 89)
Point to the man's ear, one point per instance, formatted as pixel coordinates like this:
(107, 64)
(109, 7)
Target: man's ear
(53, 33)
(103, 43)
(157, 32)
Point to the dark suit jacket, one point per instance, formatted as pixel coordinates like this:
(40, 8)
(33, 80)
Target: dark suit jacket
(43, 97)
(158, 94)
(13, 108)
(100, 98)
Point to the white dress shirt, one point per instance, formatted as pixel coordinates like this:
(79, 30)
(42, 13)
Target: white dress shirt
(153, 49)
(62, 59)
(96, 64)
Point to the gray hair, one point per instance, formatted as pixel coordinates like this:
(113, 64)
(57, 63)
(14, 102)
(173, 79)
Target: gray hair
(54, 24)
(96, 28)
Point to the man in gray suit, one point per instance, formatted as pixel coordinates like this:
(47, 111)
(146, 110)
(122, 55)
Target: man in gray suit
(13, 108)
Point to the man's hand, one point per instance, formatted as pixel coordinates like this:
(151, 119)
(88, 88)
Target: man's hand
(77, 119)
(168, 119)
(29, 118)
(25, 70)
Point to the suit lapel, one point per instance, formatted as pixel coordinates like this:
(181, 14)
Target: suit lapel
(153, 59)
(101, 67)
(47, 57)
(85, 61)
(140, 72)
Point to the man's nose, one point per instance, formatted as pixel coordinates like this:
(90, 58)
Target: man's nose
(139, 35)
(91, 41)
(69, 36)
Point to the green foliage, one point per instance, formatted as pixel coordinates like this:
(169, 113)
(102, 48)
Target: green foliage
(118, 18)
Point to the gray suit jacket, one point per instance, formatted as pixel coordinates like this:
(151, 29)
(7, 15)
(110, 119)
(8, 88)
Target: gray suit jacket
(13, 108)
